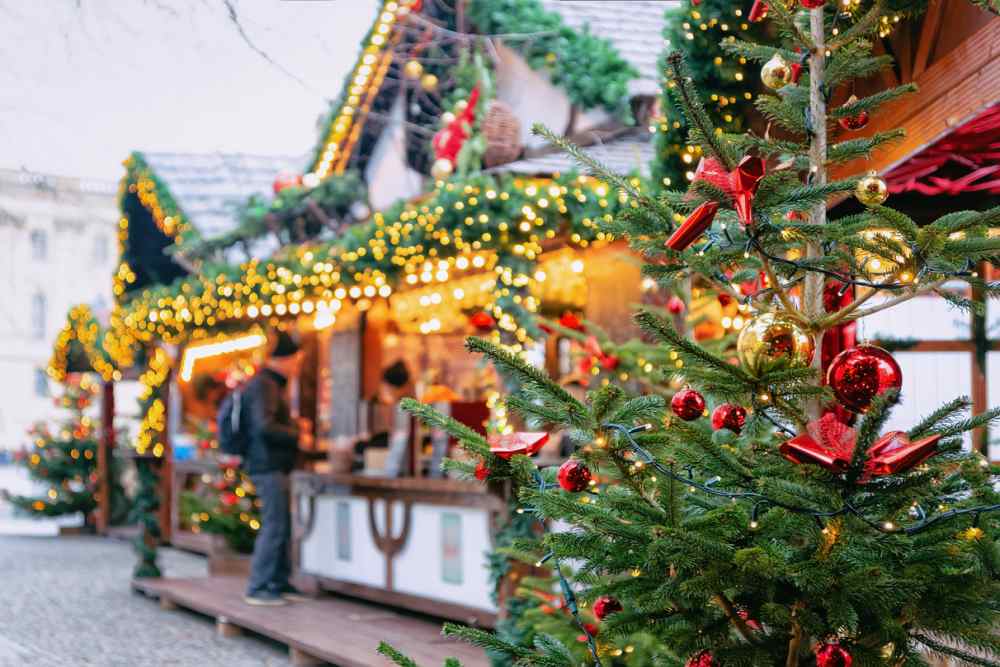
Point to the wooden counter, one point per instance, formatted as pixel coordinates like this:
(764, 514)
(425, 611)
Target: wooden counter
(419, 544)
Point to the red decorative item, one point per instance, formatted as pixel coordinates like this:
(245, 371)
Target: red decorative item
(702, 659)
(483, 321)
(694, 226)
(482, 472)
(507, 445)
(812, 4)
(751, 623)
(610, 362)
(570, 321)
(688, 404)
(229, 499)
(758, 11)
(724, 299)
(861, 373)
(574, 475)
(606, 605)
(729, 416)
(448, 141)
(833, 655)
(744, 181)
(286, 180)
(827, 442)
(796, 72)
(855, 122)
(894, 453)
(675, 305)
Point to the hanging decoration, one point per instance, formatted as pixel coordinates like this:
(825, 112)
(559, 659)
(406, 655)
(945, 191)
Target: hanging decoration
(688, 404)
(758, 11)
(605, 606)
(855, 121)
(859, 374)
(482, 471)
(832, 654)
(729, 416)
(871, 190)
(449, 140)
(508, 444)
(740, 184)
(776, 72)
(773, 341)
(693, 226)
(702, 659)
(574, 475)
(482, 321)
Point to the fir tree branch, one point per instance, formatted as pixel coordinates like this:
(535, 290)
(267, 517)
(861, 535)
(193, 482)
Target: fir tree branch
(861, 27)
(686, 95)
(666, 332)
(472, 441)
(947, 411)
(394, 655)
(944, 649)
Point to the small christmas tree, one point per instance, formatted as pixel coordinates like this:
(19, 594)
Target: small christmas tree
(764, 515)
(64, 457)
(227, 505)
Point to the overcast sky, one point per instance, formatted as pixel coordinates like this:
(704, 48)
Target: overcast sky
(84, 82)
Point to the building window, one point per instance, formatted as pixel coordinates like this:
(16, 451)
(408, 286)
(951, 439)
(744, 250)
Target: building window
(100, 253)
(38, 308)
(41, 383)
(39, 245)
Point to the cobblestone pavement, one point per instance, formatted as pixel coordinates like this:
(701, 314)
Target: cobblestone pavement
(66, 601)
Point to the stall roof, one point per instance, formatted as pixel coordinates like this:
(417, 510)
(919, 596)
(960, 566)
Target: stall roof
(633, 153)
(208, 186)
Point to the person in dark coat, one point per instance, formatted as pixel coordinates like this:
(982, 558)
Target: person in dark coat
(271, 452)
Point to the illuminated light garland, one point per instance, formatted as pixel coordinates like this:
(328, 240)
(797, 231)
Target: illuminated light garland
(195, 353)
(81, 327)
(153, 425)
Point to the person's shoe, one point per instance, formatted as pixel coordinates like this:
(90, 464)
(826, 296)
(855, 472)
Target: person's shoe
(264, 599)
(292, 594)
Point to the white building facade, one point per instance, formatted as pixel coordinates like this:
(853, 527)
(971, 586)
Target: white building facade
(57, 249)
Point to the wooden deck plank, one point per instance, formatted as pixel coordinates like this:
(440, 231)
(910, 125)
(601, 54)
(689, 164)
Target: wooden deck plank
(338, 630)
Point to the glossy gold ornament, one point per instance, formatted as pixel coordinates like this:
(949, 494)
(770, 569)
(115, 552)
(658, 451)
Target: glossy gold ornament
(442, 169)
(773, 341)
(776, 72)
(413, 69)
(871, 190)
(428, 82)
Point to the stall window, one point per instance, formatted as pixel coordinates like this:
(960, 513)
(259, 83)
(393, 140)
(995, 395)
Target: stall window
(100, 251)
(41, 383)
(38, 308)
(39, 245)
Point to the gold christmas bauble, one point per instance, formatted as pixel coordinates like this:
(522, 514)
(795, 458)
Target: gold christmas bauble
(772, 341)
(428, 82)
(442, 168)
(776, 72)
(871, 190)
(413, 69)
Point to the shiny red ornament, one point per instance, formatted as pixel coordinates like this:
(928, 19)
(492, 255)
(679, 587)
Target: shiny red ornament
(859, 374)
(744, 181)
(610, 362)
(229, 499)
(675, 305)
(606, 605)
(702, 659)
(833, 655)
(590, 629)
(482, 321)
(758, 11)
(570, 321)
(729, 416)
(751, 623)
(724, 299)
(812, 4)
(448, 141)
(688, 404)
(482, 471)
(856, 121)
(894, 453)
(573, 475)
(507, 445)
(693, 227)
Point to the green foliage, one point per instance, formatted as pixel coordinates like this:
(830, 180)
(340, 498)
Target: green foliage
(145, 514)
(586, 66)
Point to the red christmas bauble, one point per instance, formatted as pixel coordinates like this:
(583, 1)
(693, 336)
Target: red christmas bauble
(482, 472)
(482, 320)
(724, 299)
(675, 305)
(855, 122)
(229, 499)
(702, 659)
(812, 4)
(729, 416)
(571, 321)
(688, 404)
(859, 374)
(833, 655)
(574, 475)
(609, 362)
(591, 629)
(606, 605)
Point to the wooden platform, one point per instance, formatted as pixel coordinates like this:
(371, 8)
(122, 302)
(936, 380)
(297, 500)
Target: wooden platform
(335, 630)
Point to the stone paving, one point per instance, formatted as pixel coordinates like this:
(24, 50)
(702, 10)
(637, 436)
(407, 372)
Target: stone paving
(66, 601)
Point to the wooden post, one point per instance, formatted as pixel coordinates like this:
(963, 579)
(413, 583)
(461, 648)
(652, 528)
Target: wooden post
(165, 466)
(980, 347)
(105, 452)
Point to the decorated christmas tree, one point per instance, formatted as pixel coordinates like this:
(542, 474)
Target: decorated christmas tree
(764, 515)
(63, 457)
(226, 505)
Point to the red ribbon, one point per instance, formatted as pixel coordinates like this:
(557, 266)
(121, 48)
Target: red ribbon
(693, 227)
(741, 183)
(507, 445)
(449, 140)
(829, 443)
(758, 12)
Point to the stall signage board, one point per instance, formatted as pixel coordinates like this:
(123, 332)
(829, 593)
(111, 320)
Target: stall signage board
(343, 531)
(344, 382)
(451, 548)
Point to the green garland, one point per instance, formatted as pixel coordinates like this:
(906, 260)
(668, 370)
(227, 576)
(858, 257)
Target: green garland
(144, 513)
(589, 68)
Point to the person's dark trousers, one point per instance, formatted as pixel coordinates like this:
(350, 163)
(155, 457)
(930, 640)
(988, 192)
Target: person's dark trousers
(271, 566)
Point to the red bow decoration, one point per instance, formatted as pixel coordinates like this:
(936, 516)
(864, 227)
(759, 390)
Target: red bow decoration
(483, 320)
(570, 320)
(741, 183)
(829, 443)
(507, 445)
(449, 140)
(693, 227)
(758, 12)
(608, 362)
